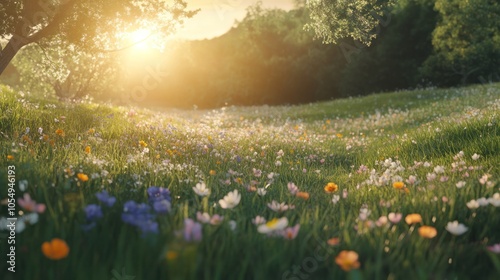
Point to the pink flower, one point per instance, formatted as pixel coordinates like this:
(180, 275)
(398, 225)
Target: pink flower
(494, 248)
(395, 217)
(292, 188)
(30, 205)
(291, 232)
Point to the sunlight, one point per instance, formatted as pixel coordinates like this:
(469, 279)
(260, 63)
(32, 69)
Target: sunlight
(140, 38)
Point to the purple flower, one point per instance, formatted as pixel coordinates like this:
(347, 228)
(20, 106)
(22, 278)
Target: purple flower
(158, 194)
(162, 206)
(192, 230)
(105, 198)
(134, 213)
(93, 212)
(147, 226)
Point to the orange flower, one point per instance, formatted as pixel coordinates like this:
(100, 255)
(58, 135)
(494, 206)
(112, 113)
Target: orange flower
(303, 195)
(91, 131)
(333, 241)
(142, 143)
(413, 219)
(56, 249)
(427, 231)
(212, 172)
(398, 185)
(347, 260)
(331, 187)
(10, 157)
(339, 135)
(171, 255)
(60, 132)
(87, 150)
(82, 177)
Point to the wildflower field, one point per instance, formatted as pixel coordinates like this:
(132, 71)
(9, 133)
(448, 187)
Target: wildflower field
(391, 186)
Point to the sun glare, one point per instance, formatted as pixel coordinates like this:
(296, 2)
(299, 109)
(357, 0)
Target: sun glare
(140, 38)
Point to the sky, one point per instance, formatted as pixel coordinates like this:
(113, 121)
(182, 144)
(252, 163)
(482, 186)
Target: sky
(216, 17)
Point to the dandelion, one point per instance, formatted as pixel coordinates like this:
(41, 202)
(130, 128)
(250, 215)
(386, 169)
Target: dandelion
(82, 177)
(398, 185)
(273, 225)
(60, 132)
(291, 232)
(30, 205)
(331, 187)
(413, 219)
(347, 260)
(427, 232)
(303, 195)
(56, 249)
(201, 189)
(87, 150)
(231, 200)
(456, 228)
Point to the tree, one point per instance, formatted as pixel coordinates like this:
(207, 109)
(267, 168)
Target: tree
(93, 25)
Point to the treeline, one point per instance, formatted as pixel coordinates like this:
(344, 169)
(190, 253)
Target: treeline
(268, 58)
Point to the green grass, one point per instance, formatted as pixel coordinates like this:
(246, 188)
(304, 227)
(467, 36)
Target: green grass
(321, 143)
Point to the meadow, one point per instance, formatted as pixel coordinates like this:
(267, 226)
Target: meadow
(397, 185)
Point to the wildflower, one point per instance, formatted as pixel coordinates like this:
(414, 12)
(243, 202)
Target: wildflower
(261, 191)
(60, 132)
(82, 177)
(203, 217)
(93, 212)
(473, 204)
(212, 172)
(427, 231)
(279, 207)
(143, 144)
(347, 260)
(495, 200)
(258, 220)
(335, 199)
(439, 169)
(91, 131)
(87, 150)
(456, 228)
(398, 185)
(138, 215)
(192, 231)
(431, 177)
(460, 184)
(158, 194)
(201, 189)
(475, 156)
(333, 241)
(162, 206)
(331, 187)
(303, 195)
(10, 157)
(413, 219)
(216, 219)
(232, 225)
(382, 221)
(494, 248)
(171, 255)
(23, 185)
(56, 249)
(30, 205)
(231, 200)
(105, 198)
(344, 194)
(291, 232)
(482, 201)
(273, 225)
(292, 188)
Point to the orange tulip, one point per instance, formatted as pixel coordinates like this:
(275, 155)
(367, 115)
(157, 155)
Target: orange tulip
(347, 260)
(56, 249)
(427, 231)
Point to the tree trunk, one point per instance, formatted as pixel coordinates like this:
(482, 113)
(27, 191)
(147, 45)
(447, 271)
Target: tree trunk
(7, 54)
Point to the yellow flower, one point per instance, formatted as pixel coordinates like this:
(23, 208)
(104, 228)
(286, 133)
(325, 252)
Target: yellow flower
(56, 249)
(82, 177)
(413, 219)
(331, 187)
(87, 150)
(91, 131)
(142, 143)
(339, 135)
(398, 185)
(427, 231)
(171, 255)
(60, 132)
(10, 157)
(303, 195)
(347, 260)
(212, 172)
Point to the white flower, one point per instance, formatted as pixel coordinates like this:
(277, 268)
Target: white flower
(472, 204)
(230, 200)
(232, 225)
(475, 156)
(279, 207)
(203, 217)
(23, 185)
(482, 201)
(277, 163)
(495, 200)
(273, 225)
(431, 177)
(292, 188)
(456, 228)
(261, 191)
(258, 220)
(439, 169)
(201, 189)
(335, 198)
(460, 184)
